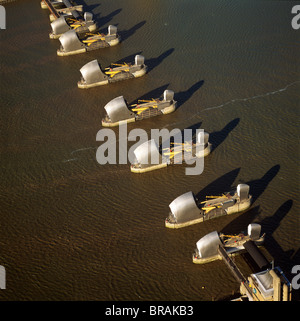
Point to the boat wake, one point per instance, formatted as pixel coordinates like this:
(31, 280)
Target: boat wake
(199, 112)
(234, 101)
(254, 97)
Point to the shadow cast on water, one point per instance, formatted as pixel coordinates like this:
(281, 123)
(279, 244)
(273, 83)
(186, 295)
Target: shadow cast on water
(217, 138)
(285, 259)
(125, 34)
(101, 21)
(128, 59)
(154, 62)
(258, 186)
(183, 96)
(269, 226)
(89, 7)
(241, 222)
(155, 93)
(220, 185)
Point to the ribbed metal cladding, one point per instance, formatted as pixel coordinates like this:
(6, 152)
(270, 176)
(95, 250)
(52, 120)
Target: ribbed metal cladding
(255, 253)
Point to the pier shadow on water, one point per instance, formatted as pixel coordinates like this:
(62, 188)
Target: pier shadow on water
(155, 93)
(258, 186)
(217, 138)
(183, 96)
(269, 226)
(285, 259)
(101, 21)
(129, 59)
(241, 222)
(220, 185)
(154, 62)
(89, 7)
(125, 34)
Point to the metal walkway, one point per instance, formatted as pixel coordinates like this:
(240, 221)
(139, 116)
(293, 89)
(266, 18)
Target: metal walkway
(51, 8)
(69, 8)
(235, 271)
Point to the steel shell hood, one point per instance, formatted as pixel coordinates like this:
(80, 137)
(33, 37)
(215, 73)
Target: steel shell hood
(117, 110)
(243, 191)
(60, 26)
(254, 231)
(91, 72)
(139, 60)
(70, 42)
(208, 245)
(184, 208)
(168, 95)
(146, 153)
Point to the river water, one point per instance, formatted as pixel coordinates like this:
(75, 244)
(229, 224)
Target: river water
(72, 229)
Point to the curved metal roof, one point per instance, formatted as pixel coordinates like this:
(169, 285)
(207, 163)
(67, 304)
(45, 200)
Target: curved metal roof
(139, 60)
(184, 208)
(60, 26)
(91, 72)
(208, 245)
(70, 42)
(254, 230)
(243, 191)
(117, 109)
(88, 16)
(112, 30)
(168, 94)
(147, 153)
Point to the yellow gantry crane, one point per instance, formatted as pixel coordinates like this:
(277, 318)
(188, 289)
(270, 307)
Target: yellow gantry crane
(215, 205)
(172, 151)
(75, 24)
(110, 72)
(140, 109)
(93, 38)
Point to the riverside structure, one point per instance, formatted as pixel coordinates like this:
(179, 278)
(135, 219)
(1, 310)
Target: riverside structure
(93, 75)
(118, 111)
(187, 210)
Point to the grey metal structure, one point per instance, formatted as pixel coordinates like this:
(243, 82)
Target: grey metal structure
(176, 153)
(93, 75)
(207, 248)
(61, 8)
(117, 110)
(208, 245)
(146, 153)
(91, 72)
(243, 191)
(71, 44)
(80, 24)
(232, 202)
(184, 208)
(254, 231)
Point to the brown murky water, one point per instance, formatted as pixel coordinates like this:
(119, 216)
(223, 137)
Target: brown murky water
(72, 229)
